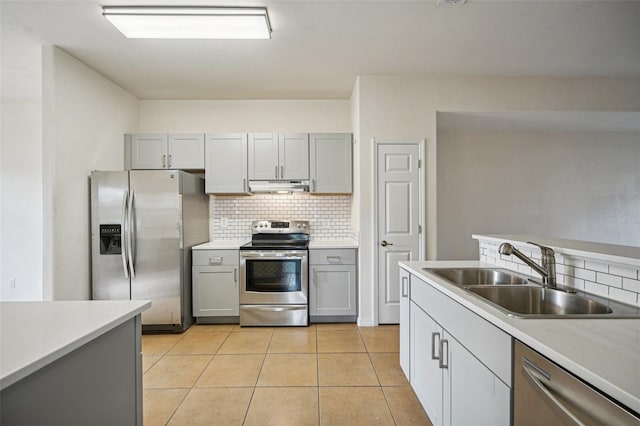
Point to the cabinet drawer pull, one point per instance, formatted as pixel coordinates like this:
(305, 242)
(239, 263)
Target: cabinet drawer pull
(443, 352)
(405, 293)
(215, 260)
(433, 345)
(334, 259)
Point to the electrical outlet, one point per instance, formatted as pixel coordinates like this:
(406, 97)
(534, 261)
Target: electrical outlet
(12, 283)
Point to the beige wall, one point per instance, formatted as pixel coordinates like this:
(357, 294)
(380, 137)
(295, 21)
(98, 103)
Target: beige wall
(396, 107)
(574, 185)
(185, 116)
(91, 114)
(21, 175)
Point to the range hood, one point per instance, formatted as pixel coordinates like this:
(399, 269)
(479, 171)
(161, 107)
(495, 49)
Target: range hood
(278, 186)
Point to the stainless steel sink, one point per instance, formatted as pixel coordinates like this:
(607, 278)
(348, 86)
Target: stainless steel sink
(478, 276)
(538, 301)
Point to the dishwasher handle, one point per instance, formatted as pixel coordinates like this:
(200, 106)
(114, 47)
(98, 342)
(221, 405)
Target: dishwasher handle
(531, 372)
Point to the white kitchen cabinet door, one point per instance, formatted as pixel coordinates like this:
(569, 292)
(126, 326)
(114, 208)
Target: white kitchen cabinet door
(293, 156)
(426, 375)
(226, 163)
(333, 290)
(185, 151)
(473, 395)
(405, 320)
(215, 291)
(147, 151)
(330, 162)
(263, 156)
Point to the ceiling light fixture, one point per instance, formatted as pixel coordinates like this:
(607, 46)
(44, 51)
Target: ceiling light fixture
(190, 22)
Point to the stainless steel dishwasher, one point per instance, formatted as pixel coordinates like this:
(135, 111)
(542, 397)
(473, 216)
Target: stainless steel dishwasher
(545, 394)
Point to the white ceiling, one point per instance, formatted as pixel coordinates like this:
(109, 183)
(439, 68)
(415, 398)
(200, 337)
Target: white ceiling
(318, 47)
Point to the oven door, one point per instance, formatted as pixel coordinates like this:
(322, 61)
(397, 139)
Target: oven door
(274, 277)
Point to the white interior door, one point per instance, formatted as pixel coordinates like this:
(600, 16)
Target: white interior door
(398, 193)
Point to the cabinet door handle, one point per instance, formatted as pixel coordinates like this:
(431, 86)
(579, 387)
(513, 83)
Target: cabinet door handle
(169, 160)
(404, 286)
(164, 161)
(433, 345)
(315, 273)
(443, 352)
(235, 275)
(276, 172)
(281, 172)
(244, 185)
(313, 185)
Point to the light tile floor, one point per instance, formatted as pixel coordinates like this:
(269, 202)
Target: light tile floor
(324, 374)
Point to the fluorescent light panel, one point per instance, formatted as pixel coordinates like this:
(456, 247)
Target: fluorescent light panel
(190, 22)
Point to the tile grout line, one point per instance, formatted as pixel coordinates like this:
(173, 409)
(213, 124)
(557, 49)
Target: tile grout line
(255, 385)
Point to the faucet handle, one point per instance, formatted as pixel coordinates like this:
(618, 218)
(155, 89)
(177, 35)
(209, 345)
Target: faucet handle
(548, 251)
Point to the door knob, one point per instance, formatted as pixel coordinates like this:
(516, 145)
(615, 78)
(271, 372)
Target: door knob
(384, 243)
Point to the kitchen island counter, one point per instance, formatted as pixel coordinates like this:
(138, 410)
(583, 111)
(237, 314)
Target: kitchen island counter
(603, 352)
(71, 361)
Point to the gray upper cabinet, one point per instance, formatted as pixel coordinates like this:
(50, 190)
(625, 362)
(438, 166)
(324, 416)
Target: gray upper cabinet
(274, 156)
(293, 152)
(226, 163)
(330, 158)
(162, 151)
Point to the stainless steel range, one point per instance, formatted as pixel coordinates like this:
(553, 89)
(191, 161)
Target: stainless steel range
(274, 274)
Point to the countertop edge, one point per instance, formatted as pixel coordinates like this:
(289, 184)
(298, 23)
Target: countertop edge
(21, 373)
(500, 320)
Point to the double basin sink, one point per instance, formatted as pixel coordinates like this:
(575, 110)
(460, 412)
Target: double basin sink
(518, 296)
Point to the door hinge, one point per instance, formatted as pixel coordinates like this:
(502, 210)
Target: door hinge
(419, 229)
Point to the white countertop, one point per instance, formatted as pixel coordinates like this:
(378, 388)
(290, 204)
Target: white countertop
(627, 255)
(603, 352)
(333, 244)
(34, 334)
(313, 244)
(220, 245)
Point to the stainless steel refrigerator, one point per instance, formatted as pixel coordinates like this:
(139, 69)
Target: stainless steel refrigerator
(143, 225)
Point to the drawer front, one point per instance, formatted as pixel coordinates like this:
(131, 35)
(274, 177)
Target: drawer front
(332, 257)
(216, 257)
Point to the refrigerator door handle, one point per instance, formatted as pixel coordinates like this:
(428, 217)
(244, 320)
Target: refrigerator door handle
(123, 247)
(130, 236)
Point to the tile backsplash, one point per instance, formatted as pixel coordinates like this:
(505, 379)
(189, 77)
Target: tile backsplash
(329, 216)
(612, 280)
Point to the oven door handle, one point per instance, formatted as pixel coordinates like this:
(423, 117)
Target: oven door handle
(273, 254)
(278, 308)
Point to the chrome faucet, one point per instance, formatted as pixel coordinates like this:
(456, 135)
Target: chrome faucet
(548, 261)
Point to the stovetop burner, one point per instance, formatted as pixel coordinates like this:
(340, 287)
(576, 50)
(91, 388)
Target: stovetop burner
(278, 235)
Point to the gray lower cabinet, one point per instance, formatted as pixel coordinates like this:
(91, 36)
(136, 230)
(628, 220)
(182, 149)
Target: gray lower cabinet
(99, 383)
(460, 364)
(333, 285)
(216, 275)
